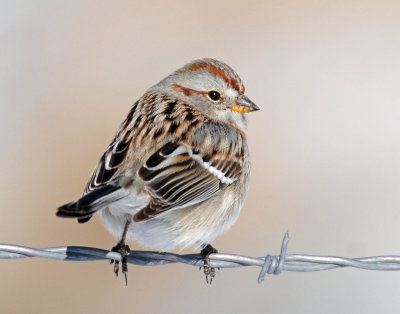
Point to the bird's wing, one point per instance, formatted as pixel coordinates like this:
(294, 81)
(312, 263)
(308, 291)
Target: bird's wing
(112, 159)
(182, 174)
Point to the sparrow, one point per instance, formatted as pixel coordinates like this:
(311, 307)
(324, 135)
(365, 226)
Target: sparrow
(177, 172)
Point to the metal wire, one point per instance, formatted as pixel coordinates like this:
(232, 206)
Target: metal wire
(270, 264)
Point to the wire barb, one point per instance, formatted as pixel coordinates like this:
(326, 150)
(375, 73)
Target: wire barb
(274, 264)
(270, 264)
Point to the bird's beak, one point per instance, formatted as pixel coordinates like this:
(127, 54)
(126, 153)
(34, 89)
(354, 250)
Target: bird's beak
(244, 105)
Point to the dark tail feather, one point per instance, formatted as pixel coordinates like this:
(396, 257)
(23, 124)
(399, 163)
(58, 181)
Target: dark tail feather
(83, 220)
(87, 205)
(72, 210)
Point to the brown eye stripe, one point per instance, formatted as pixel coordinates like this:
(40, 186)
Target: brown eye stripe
(185, 90)
(188, 91)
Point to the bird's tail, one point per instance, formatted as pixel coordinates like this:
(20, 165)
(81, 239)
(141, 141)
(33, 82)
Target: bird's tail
(85, 207)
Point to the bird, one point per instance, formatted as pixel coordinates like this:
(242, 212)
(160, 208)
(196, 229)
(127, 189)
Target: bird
(176, 173)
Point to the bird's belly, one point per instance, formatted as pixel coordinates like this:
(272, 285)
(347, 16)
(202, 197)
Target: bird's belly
(187, 227)
(180, 228)
(115, 216)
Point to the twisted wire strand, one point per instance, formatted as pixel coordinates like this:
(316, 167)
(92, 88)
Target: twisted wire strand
(270, 264)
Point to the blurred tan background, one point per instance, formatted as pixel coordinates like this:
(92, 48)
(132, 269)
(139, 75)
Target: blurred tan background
(325, 146)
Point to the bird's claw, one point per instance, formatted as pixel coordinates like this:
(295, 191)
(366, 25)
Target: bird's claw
(209, 271)
(124, 250)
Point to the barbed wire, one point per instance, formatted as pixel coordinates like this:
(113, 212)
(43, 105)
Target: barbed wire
(270, 264)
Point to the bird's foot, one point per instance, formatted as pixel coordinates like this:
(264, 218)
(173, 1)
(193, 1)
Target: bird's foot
(207, 269)
(124, 250)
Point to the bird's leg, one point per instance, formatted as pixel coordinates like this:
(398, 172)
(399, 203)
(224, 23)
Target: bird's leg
(208, 270)
(124, 250)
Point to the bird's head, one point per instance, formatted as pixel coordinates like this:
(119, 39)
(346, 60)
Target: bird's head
(211, 86)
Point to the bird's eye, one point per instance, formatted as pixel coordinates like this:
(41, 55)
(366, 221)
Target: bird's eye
(214, 95)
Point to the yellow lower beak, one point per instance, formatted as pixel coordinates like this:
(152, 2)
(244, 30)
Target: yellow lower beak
(241, 109)
(244, 105)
